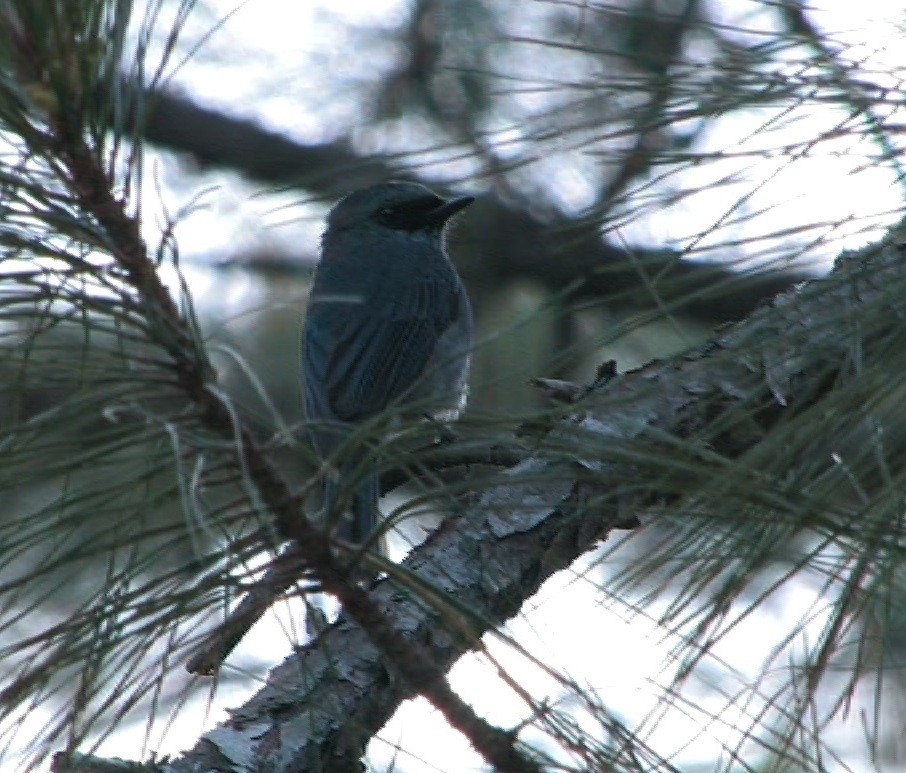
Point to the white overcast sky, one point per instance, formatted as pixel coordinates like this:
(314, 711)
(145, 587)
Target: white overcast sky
(294, 67)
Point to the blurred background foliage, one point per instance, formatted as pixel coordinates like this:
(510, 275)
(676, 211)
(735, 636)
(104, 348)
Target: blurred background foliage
(647, 170)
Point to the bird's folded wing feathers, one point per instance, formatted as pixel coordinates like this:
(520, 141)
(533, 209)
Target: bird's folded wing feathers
(375, 360)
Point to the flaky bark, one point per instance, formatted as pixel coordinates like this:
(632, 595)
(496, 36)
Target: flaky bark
(323, 703)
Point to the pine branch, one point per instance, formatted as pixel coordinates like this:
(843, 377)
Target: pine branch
(551, 508)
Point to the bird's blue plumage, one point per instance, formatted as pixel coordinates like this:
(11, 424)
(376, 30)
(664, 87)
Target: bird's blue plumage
(388, 324)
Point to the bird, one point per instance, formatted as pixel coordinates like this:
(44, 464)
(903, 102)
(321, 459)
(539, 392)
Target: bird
(388, 326)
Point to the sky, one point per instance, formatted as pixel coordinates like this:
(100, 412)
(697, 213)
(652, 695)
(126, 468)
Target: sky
(290, 67)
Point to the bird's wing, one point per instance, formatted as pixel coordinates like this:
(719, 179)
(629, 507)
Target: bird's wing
(377, 356)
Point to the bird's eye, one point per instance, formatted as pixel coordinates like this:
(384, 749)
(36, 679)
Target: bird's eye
(387, 211)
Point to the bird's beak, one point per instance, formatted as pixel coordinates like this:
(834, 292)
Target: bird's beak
(445, 211)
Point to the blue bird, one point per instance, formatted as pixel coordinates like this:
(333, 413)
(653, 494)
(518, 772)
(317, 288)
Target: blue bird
(388, 324)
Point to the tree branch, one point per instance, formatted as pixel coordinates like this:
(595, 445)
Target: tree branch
(336, 692)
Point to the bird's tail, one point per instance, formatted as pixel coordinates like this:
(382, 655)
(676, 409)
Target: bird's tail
(357, 524)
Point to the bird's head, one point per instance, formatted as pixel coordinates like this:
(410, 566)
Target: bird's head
(396, 206)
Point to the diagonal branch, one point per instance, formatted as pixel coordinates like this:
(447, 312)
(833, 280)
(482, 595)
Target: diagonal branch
(334, 694)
